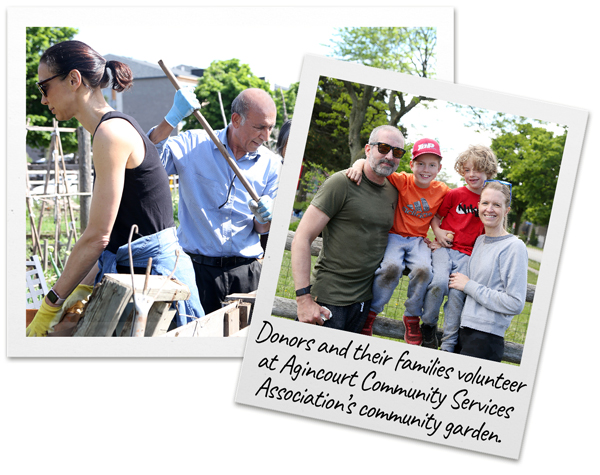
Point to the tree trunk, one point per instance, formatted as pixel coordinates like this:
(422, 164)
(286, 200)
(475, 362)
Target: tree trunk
(85, 176)
(396, 114)
(518, 219)
(356, 119)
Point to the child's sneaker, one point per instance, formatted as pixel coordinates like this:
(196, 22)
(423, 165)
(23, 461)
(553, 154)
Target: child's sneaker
(429, 336)
(368, 328)
(412, 330)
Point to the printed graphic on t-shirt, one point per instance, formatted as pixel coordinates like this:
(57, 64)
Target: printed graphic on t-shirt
(420, 209)
(467, 209)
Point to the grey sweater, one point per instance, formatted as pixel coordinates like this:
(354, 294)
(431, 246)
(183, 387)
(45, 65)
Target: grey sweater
(497, 287)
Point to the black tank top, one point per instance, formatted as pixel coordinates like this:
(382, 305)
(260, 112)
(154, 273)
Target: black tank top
(146, 199)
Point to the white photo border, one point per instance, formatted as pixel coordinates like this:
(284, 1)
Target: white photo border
(257, 359)
(18, 18)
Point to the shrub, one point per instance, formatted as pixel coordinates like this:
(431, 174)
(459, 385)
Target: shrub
(533, 239)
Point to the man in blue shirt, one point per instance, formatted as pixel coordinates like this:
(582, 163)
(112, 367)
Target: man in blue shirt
(220, 225)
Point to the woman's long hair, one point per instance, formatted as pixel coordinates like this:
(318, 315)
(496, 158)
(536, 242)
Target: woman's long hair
(282, 138)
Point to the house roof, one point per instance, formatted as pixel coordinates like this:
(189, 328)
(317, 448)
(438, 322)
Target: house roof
(145, 70)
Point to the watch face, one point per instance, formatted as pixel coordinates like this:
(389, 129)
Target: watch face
(52, 296)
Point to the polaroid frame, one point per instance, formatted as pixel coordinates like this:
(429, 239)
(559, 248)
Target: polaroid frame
(279, 352)
(18, 345)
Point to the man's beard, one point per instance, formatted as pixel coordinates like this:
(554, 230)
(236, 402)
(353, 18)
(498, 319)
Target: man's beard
(381, 170)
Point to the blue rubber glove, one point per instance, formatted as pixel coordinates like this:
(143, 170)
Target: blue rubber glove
(44, 316)
(184, 103)
(262, 210)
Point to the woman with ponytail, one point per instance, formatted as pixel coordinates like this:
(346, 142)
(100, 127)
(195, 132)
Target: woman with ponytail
(130, 185)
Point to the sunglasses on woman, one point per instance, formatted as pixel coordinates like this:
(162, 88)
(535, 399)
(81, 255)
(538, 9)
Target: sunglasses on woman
(505, 183)
(384, 149)
(40, 84)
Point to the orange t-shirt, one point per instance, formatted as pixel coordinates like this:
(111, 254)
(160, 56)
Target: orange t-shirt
(416, 206)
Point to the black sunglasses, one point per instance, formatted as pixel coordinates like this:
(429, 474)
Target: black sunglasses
(505, 183)
(40, 84)
(385, 148)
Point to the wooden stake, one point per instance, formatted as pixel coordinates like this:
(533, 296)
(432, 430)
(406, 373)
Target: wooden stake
(35, 238)
(46, 180)
(71, 222)
(45, 254)
(222, 110)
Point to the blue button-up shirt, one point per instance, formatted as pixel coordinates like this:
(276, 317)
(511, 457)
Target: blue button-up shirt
(212, 221)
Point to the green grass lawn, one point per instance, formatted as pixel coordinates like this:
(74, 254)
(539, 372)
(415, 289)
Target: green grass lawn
(395, 307)
(47, 232)
(534, 265)
(49, 227)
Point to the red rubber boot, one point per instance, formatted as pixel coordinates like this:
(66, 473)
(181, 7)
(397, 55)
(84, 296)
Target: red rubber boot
(412, 330)
(368, 328)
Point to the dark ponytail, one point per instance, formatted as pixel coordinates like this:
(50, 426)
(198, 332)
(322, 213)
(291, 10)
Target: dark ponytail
(68, 55)
(122, 78)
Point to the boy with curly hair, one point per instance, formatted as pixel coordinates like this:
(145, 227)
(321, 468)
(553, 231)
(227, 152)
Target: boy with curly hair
(456, 226)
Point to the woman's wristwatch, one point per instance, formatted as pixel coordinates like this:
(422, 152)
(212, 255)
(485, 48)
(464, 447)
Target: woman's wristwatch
(54, 298)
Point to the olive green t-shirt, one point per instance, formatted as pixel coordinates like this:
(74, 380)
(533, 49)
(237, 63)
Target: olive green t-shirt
(354, 239)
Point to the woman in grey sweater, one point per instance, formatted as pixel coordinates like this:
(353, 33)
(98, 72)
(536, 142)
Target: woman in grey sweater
(496, 280)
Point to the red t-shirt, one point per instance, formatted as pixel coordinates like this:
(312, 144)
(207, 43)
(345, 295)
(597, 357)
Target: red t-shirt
(416, 206)
(460, 214)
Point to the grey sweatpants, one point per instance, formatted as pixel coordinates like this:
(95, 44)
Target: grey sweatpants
(445, 262)
(401, 252)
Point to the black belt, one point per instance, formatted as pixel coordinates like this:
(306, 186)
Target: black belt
(221, 261)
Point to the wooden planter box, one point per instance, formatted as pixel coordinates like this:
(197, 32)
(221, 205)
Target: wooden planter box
(29, 315)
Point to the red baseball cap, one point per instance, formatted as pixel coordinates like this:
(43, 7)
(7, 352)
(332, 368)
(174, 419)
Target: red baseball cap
(426, 146)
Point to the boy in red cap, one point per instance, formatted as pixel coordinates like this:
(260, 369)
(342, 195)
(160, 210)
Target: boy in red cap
(419, 197)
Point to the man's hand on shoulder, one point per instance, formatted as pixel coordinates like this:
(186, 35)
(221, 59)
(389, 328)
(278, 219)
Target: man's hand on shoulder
(356, 170)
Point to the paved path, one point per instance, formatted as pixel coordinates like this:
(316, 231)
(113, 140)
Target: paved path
(535, 254)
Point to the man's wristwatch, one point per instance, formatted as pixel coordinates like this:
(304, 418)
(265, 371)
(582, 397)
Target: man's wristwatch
(304, 291)
(54, 297)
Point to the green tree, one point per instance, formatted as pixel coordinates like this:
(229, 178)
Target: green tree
(407, 50)
(230, 77)
(529, 158)
(327, 141)
(38, 40)
(285, 106)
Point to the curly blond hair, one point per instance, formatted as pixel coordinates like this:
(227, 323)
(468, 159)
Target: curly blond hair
(482, 158)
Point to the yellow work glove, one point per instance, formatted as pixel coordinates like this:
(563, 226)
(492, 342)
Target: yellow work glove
(81, 292)
(41, 323)
(47, 316)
